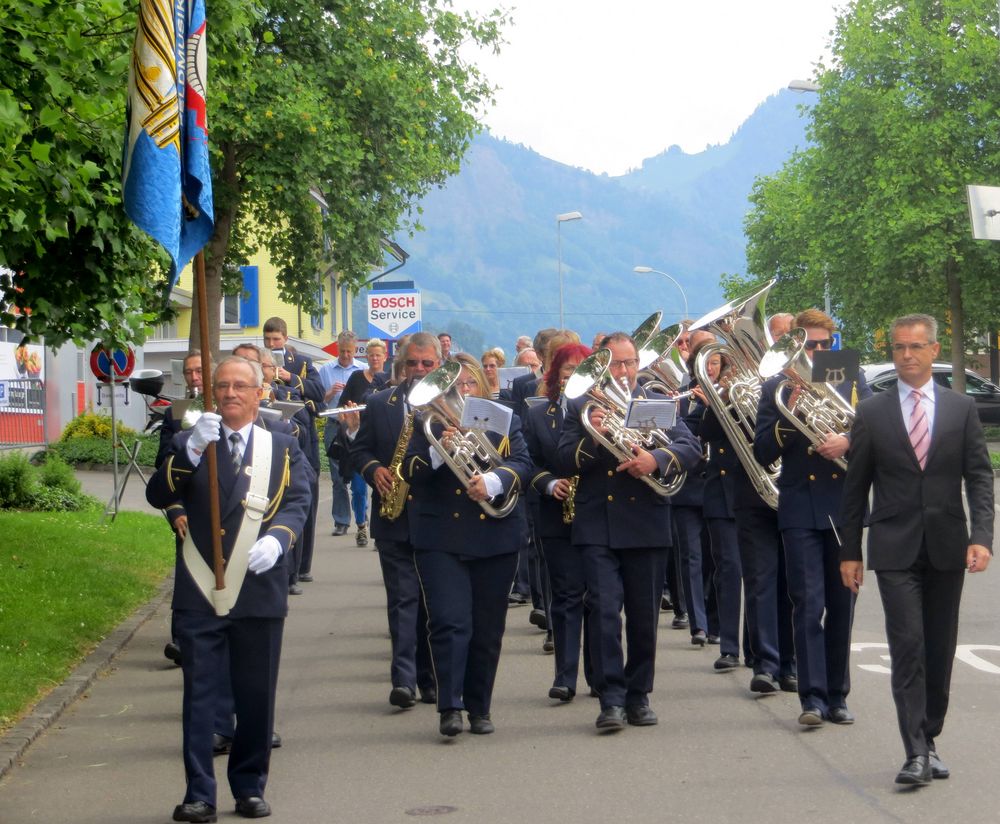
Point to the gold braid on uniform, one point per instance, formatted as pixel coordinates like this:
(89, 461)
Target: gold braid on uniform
(286, 479)
(503, 448)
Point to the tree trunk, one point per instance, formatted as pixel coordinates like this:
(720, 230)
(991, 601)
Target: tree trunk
(957, 326)
(225, 216)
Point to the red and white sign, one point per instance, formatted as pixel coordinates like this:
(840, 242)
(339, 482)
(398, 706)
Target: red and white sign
(112, 363)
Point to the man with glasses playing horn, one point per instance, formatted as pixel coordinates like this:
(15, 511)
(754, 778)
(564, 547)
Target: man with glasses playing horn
(622, 527)
(809, 492)
(264, 485)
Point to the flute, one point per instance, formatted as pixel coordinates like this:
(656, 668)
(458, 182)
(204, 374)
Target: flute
(340, 410)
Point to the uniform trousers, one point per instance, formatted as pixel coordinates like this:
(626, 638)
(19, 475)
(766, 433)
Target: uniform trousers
(252, 648)
(689, 527)
(727, 582)
(411, 655)
(768, 609)
(302, 551)
(466, 601)
(569, 612)
(633, 579)
(822, 615)
(921, 606)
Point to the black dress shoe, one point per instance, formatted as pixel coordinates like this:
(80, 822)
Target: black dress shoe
(641, 716)
(726, 662)
(537, 618)
(938, 769)
(811, 717)
(196, 811)
(666, 604)
(172, 652)
(402, 697)
(680, 621)
(517, 599)
(916, 771)
(429, 695)
(305, 578)
(788, 683)
(548, 645)
(764, 683)
(564, 694)
(253, 807)
(294, 589)
(451, 723)
(714, 640)
(699, 638)
(841, 715)
(481, 724)
(221, 744)
(611, 719)
(594, 693)
(275, 741)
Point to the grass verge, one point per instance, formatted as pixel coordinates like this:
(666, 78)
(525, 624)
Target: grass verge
(66, 581)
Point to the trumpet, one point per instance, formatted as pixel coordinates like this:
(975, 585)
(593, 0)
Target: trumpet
(593, 378)
(340, 410)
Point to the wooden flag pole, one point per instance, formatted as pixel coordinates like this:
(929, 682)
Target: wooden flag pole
(218, 564)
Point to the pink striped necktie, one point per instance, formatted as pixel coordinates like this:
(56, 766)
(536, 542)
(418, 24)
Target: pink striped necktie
(920, 436)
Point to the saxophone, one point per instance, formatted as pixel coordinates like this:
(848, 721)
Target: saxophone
(568, 504)
(392, 503)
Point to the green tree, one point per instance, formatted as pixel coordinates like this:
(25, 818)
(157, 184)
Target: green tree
(75, 260)
(904, 119)
(362, 105)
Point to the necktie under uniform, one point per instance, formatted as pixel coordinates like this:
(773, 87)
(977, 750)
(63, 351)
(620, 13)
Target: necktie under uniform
(235, 455)
(920, 436)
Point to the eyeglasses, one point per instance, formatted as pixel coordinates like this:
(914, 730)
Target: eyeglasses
(916, 348)
(225, 386)
(825, 343)
(193, 371)
(467, 384)
(628, 363)
(427, 364)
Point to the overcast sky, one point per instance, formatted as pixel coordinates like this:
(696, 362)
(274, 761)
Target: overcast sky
(604, 84)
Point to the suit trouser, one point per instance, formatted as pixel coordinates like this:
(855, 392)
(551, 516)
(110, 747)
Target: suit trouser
(253, 647)
(822, 615)
(689, 526)
(411, 654)
(727, 582)
(570, 610)
(921, 607)
(302, 553)
(633, 579)
(769, 613)
(466, 613)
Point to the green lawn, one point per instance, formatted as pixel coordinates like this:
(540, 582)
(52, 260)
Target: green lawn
(67, 580)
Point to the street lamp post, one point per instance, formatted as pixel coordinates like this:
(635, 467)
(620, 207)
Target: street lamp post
(560, 220)
(645, 269)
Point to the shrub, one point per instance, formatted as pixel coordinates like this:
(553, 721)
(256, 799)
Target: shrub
(17, 477)
(55, 473)
(56, 499)
(92, 425)
(100, 451)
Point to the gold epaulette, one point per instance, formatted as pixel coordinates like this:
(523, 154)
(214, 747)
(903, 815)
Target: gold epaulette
(504, 447)
(854, 395)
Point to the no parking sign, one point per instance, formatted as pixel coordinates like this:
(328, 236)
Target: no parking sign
(112, 363)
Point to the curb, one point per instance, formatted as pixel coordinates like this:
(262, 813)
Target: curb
(16, 741)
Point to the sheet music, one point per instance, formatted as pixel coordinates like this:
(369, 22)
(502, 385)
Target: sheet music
(486, 415)
(651, 413)
(507, 374)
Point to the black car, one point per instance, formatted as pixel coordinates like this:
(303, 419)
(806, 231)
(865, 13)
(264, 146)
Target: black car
(882, 376)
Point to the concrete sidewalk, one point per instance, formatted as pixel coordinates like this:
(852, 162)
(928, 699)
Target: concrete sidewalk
(718, 755)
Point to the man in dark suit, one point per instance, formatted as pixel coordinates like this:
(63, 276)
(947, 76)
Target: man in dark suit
(375, 438)
(915, 445)
(622, 527)
(241, 628)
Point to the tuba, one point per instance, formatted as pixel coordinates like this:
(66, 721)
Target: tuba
(593, 378)
(471, 452)
(819, 409)
(743, 326)
(660, 361)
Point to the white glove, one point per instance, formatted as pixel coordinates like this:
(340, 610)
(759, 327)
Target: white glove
(207, 429)
(264, 554)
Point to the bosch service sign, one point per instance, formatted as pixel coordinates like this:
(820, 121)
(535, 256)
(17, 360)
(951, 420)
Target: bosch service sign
(393, 314)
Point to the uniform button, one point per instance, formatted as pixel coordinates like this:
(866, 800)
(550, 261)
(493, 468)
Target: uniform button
(222, 532)
(834, 476)
(458, 491)
(631, 499)
(409, 497)
(454, 515)
(722, 450)
(611, 497)
(722, 472)
(611, 474)
(812, 477)
(482, 517)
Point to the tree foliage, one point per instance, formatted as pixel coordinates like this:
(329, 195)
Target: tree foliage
(904, 119)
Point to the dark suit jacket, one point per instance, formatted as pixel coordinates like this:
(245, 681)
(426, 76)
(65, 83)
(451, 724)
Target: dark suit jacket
(523, 386)
(261, 596)
(913, 506)
(614, 509)
(542, 427)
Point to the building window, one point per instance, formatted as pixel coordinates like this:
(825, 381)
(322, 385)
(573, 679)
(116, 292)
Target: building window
(229, 312)
(317, 318)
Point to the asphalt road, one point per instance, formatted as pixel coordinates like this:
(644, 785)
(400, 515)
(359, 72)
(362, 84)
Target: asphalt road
(719, 754)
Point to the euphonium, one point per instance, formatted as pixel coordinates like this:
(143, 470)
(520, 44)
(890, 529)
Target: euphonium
(593, 378)
(742, 325)
(819, 410)
(393, 502)
(469, 453)
(659, 362)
